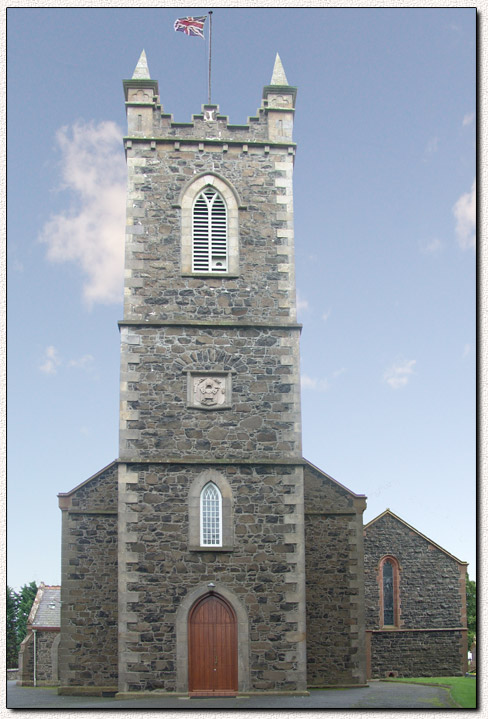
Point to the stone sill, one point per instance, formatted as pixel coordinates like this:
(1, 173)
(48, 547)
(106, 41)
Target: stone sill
(185, 695)
(392, 630)
(198, 548)
(93, 691)
(338, 686)
(212, 275)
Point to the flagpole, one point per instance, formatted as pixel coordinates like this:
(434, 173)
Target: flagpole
(210, 12)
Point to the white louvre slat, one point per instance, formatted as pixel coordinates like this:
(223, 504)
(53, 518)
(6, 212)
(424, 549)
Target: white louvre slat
(210, 232)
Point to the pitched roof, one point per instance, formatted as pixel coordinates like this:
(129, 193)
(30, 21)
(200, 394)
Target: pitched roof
(46, 610)
(389, 513)
(90, 479)
(334, 481)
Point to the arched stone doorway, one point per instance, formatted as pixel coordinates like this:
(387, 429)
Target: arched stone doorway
(188, 604)
(212, 647)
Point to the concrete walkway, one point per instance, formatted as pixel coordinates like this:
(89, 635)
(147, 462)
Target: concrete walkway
(378, 695)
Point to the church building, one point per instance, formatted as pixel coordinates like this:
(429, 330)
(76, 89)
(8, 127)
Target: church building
(210, 558)
(193, 563)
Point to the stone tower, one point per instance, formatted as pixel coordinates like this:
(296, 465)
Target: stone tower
(211, 565)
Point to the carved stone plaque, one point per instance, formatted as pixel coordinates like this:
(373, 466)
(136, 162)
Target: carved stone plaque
(209, 390)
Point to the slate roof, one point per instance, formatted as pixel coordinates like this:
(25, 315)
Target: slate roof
(46, 610)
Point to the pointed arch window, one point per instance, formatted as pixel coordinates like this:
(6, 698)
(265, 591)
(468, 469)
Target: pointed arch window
(210, 242)
(209, 227)
(211, 516)
(389, 592)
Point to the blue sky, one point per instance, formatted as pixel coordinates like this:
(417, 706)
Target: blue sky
(384, 233)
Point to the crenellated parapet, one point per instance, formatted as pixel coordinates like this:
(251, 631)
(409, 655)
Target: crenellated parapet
(147, 120)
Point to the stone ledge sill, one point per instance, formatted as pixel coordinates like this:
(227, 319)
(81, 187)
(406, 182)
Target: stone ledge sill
(76, 691)
(339, 686)
(155, 695)
(185, 695)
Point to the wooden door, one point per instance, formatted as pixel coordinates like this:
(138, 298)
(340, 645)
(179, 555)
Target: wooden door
(212, 647)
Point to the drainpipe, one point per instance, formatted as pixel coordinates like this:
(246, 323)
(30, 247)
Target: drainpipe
(35, 657)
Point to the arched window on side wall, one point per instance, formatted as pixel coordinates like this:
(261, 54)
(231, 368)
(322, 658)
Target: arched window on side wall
(389, 577)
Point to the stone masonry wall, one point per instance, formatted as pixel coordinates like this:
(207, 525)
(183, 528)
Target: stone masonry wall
(44, 664)
(26, 660)
(430, 591)
(430, 580)
(334, 576)
(88, 647)
(417, 654)
(264, 417)
(263, 291)
(263, 571)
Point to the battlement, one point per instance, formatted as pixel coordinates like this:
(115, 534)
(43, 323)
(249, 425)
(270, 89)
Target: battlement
(148, 120)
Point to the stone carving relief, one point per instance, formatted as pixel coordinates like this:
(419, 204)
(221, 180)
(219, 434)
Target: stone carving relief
(140, 96)
(209, 391)
(279, 101)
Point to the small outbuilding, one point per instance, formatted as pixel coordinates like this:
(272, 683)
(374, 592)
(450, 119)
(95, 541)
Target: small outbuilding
(38, 655)
(415, 603)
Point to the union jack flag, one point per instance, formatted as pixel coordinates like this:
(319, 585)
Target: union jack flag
(191, 25)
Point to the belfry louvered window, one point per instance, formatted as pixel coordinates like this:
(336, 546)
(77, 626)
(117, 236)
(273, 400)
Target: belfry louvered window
(210, 251)
(211, 516)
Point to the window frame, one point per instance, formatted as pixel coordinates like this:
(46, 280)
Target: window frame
(204, 525)
(210, 241)
(396, 591)
(232, 202)
(226, 512)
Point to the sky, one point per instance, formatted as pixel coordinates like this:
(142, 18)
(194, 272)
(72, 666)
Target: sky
(384, 202)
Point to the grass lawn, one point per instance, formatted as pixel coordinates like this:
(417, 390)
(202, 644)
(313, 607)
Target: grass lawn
(462, 689)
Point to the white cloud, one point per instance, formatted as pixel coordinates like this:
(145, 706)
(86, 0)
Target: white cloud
(51, 361)
(83, 363)
(465, 214)
(91, 232)
(302, 304)
(466, 350)
(320, 385)
(468, 119)
(326, 315)
(432, 146)
(398, 375)
(431, 247)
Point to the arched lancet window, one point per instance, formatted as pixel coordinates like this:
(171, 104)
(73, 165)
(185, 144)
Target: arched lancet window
(210, 251)
(209, 227)
(389, 592)
(211, 516)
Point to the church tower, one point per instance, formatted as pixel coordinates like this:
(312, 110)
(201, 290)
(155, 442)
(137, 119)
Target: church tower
(211, 560)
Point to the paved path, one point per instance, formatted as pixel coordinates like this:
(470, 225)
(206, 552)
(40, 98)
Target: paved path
(378, 695)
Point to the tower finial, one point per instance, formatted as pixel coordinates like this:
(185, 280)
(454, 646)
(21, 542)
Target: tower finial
(142, 70)
(279, 77)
